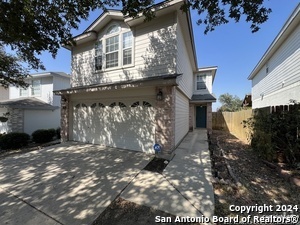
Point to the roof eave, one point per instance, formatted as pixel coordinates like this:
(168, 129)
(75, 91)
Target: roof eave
(213, 69)
(287, 28)
(163, 80)
(81, 39)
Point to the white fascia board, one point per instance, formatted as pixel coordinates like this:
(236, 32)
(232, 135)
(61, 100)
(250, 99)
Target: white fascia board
(159, 9)
(82, 38)
(104, 19)
(212, 69)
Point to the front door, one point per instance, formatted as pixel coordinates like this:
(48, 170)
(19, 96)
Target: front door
(200, 116)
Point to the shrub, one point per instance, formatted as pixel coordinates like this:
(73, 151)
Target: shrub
(52, 132)
(276, 134)
(58, 133)
(14, 140)
(43, 135)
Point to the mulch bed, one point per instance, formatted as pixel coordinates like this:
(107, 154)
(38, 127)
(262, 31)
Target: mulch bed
(157, 165)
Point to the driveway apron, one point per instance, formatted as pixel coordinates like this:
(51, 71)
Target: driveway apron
(69, 183)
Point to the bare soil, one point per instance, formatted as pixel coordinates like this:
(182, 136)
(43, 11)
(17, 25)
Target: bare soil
(253, 181)
(122, 212)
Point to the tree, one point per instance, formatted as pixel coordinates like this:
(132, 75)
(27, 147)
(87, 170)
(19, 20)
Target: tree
(11, 70)
(31, 27)
(229, 103)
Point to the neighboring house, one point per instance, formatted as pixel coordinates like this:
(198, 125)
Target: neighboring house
(135, 83)
(247, 102)
(35, 107)
(4, 93)
(276, 77)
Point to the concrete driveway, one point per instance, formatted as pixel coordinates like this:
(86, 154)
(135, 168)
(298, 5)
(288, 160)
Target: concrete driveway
(69, 183)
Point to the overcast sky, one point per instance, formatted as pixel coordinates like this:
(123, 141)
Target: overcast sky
(231, 47)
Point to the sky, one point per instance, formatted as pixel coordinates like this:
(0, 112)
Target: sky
(232, 47)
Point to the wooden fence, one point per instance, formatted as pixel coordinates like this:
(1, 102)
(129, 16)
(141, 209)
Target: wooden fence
(232, 122)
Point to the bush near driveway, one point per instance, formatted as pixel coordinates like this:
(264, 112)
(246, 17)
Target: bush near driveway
(58, 133)
(43, 135)
(13, 140)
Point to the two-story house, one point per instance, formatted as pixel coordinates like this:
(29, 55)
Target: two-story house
(35, 107)
(136, 84)
(276, 77)
(4, 93)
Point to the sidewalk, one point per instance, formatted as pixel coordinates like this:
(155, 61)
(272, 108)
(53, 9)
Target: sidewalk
(184, 188)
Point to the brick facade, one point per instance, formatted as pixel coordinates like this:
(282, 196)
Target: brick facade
(15, 121)
(165, 119)
(64, 132)
(209, 117)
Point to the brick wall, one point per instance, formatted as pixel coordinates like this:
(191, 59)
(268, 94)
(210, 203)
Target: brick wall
(15, 122)
(64, 121)
(165, 119)
(209, 117)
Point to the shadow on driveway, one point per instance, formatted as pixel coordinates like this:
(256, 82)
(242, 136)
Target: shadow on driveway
(70, 183)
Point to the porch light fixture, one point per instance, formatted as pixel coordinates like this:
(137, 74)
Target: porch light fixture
(159, 95)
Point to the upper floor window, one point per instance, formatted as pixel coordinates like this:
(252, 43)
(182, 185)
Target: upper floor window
(113, 29)
(24, 92)
(201, 82)
(127, 48)
(267, 68)
(98, 55)
(34, 89)
(114, 49)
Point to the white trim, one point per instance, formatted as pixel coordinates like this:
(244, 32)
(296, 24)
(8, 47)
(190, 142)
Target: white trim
(204, 81)
(120, 49)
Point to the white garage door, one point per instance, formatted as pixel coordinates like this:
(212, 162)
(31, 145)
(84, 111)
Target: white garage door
(121, 124)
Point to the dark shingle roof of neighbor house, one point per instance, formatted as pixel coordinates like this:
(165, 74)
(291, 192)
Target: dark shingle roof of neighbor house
(27, 103)
(204, 97)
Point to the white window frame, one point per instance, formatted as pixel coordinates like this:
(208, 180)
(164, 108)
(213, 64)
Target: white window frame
(204, 81)
(120, 50)
(127, 48)
(40, 87)
(98, 53)
(29, 91)
(112, 52)
(25, 91)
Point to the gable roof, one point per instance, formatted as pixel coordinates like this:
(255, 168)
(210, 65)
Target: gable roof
(292, 22)
(90, 34)
(27, 103)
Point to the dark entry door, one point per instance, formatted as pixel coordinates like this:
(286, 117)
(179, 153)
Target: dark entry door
(201, 116)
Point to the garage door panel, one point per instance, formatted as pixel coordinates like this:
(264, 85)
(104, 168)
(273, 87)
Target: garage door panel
(123, 127)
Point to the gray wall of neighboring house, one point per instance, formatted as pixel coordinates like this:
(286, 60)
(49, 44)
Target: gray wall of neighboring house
(4, 93)
(282, 81)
